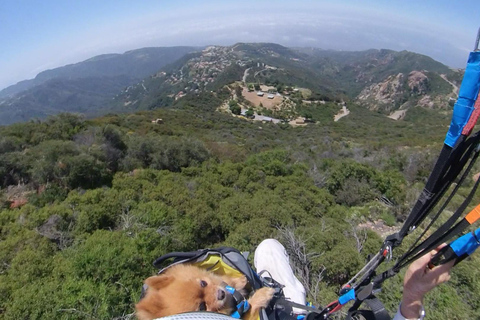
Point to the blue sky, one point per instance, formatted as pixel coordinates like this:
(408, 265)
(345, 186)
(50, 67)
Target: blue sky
(38, 35)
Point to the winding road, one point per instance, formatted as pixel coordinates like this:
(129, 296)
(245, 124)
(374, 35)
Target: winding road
(455, 88)
(245, 74)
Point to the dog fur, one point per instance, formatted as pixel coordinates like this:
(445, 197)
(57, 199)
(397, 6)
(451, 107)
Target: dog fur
(184, 288)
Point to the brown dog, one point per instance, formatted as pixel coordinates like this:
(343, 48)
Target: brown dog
(184, 288)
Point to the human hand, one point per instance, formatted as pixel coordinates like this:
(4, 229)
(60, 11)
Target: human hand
(420, 279)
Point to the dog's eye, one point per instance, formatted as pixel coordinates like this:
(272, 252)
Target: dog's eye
(203, 283)
(202, 306)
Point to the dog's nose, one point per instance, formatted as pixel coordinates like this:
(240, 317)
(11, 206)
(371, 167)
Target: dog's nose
(220, 294)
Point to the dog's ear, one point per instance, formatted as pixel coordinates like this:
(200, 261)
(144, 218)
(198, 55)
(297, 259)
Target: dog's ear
(157, 282)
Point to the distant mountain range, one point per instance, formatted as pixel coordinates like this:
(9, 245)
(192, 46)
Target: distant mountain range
(82, 87)
(136, 64)
(381, 80)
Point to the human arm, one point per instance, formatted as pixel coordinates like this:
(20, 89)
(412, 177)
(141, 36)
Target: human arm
(418, 281)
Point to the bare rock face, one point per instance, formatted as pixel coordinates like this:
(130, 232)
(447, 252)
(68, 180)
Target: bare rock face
(383, 95)
(17, 195)
(379, 227)
(418, 82)
(398, 92)
(426, 102)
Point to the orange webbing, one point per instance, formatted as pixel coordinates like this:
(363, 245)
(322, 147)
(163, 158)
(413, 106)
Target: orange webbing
(473, 118)
(473, 215)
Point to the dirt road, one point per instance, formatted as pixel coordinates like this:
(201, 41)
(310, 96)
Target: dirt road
(455, 88)
(245, 75)
(344, 112)
(398, 115)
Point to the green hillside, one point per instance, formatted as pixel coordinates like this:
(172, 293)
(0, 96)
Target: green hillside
(329, 75)
(85, 95)
(87, 205)
(137, 64)
(86, 87)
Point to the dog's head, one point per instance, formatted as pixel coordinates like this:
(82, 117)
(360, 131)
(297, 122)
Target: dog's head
(183, 288)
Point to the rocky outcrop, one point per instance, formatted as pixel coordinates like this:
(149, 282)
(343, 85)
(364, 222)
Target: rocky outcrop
(383, 95)
(379, 227)
(418, 82)
(398, 92)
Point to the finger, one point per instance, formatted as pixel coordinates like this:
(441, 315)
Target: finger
(444, 277)
(433, 253)
(436, 250)
(422, 262)
(440, 273)
(440, 247)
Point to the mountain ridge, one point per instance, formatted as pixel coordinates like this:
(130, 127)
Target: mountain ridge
(123, 64)
(326, 73)
(177, 71)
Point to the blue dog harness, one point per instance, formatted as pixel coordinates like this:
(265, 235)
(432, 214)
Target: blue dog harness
(241, 304)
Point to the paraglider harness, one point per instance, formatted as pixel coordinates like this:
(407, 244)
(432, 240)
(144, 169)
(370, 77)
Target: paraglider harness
(227, 261)
(456, 159)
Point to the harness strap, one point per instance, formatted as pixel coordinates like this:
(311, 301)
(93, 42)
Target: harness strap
(377, 310)
(284, 302)
(442, 234)
(461, 155)
(459, 158)
(418, 212)
(454, 217)
(241, 303)
(458, 249)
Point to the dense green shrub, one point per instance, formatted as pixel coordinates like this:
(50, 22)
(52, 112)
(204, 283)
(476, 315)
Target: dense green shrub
(109, 195)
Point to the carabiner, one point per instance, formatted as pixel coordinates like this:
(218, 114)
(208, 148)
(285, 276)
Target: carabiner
(334, 307)
(327, 311)
(387, 252)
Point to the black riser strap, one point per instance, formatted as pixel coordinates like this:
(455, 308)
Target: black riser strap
(378, 311)
(453, 165)
(453, 218)
(426, 193)
(436, 237)
(457, 229)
